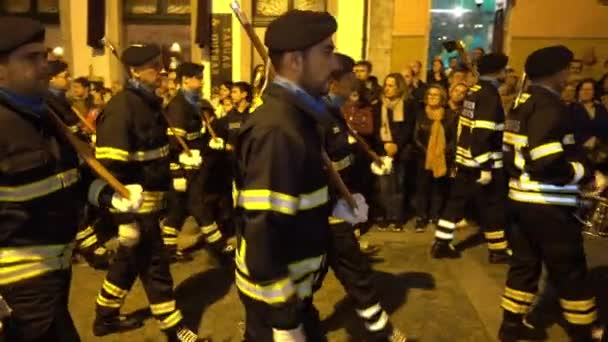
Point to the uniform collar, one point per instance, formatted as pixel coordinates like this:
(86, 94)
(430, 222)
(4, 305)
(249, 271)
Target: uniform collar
(549, 89)
(316, 104)
(491, 80)
(35, 105)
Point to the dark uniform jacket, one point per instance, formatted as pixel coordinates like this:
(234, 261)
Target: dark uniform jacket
(540, 152)
(132, 142)
(284, 196)
(43, 190)
(186, 122)
(67, 114)
(480, 128)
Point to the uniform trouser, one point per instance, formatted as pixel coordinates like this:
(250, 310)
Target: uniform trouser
(149, 261)
(353, 270)
(549, 235)
(40, 309)
(431, 194)
(202, 207)
(488, 200)
(257, 328)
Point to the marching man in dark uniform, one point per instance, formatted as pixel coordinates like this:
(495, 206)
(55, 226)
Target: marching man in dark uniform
(87, 243)
(184, 112)
(544, 183)
(132, 141)
(43, 190)
(350, 265)
(479, 176)
(283, 187)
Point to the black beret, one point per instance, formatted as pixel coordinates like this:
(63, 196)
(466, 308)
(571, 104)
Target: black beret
(18, 31)
(548, 61)
(298, 30)
(491, 63)
(188, 69)
(56, 67)
(137, 55)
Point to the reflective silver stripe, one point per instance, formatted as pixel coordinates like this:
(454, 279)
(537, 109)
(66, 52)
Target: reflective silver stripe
(579, 172)
(176, 131)
(369, 312)
(526, 185)
(446, 224)
(304, 287)
(171, 320)
(379, 324)
(299, 269)
(46, 186)
(276, 292)
(482, 158)
(464, 152)
(94, 190)
(443, 235)
(17, 264)
(546, 150)
(122, 155)
(540, 198)
(343, 163)
(162, 308)
(466, 162)
(286, 204)
(489, 125)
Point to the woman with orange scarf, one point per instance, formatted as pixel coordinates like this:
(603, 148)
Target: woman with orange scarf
(434, 139)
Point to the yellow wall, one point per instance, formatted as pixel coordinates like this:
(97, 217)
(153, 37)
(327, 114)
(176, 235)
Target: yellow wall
(411, 30)
(577, 24)
(349, 38)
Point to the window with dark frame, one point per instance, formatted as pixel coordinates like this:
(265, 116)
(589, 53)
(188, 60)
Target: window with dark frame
(47, 11)
(156, 11)
(264, 11)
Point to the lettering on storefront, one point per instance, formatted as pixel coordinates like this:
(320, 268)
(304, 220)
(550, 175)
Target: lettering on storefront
(221, 49)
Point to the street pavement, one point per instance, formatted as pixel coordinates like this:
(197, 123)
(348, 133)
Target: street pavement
(431, 300)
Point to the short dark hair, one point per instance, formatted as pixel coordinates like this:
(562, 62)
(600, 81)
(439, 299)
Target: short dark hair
(366, 64)
(346, 65)
(244, 87)
(227, 84)
(583, 82)
(83, 81)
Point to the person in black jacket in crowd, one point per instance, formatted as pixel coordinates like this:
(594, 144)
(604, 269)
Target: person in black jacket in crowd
(394, 126)
(435, 137)
(590, 122)
(436, 74)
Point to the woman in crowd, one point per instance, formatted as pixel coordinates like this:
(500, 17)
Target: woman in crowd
(437, 74)
(434, 136)
(591, 122)
(394, 119)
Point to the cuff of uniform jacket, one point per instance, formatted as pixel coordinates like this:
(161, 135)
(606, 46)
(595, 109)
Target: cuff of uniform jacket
(100, 194)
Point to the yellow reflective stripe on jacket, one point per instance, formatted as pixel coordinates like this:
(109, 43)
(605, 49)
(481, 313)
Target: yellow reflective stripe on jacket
(489, 125)
(466, 122)
(579, 172)
(193, 136)
(26, 192)
(482, 158)
(546, 150)
(262, 199)
(153, 201)
(515, 139)
(276, 292)
(343, 163)
(542, 198)
(122, 155)
(176, 131)
(464, 152)
(20, 263)
(527, 185)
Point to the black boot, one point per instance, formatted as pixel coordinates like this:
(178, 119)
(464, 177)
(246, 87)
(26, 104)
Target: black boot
(183, 334)
(223, 254)
(442, 249)
(115, 324)
(421, 224)
(513, 332)
(499, 257)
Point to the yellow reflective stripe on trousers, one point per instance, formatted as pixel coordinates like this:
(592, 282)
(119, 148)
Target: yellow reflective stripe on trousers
(489, 125)
(482, 158)
(171, 320)
(521, 296)
(122, 155)
(108, 302)
(43, 187)
(526, 185)
(541, 198)
(84, 233)
(494, 235)
(343, 163)
(273, 293)
(176, 131)
(113, 289)
(546, 150)
(578, 305)
(581, 318)
(514, 307)
(17, 264)
(262, 199)
(162, 308)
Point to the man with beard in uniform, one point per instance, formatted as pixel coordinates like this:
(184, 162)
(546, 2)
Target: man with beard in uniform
(87, 243)
(283, 187)
(132, 141)
(345, 258)
(479, 176)
(43, 190)
(185, 114)
(545, 172)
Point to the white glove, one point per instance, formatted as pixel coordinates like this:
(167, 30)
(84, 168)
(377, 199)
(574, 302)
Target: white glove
(385, 169)
(216, 143)
(343, 211)
(93, 138)
(131, 204)
(193, 160)
(293, 335)
(485, 178)
(128, 234)
(180, 184)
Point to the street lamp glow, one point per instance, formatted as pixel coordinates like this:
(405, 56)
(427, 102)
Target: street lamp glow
(175, 47)
(458, 12)
(58, 51)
